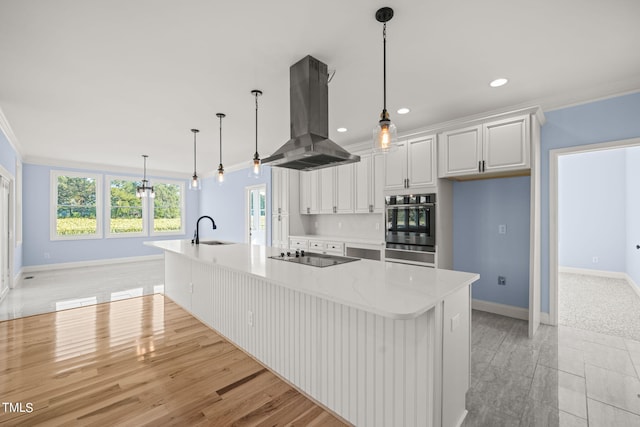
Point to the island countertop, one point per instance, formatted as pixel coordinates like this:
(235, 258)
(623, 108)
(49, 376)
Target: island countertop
(392, 290)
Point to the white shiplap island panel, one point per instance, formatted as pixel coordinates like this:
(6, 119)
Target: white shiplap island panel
(363, 338)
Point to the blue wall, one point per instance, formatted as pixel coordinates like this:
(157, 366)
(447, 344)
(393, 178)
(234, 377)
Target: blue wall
(479, 207)
(8, 158)
(226, 205)
(601, 121)
(632, 254)
(592, 210)
(36, 235)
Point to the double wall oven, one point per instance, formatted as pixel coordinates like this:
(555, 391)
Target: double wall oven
(411, 229)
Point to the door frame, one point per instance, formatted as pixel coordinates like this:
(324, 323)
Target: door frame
(247, 192)
(11, 232)
(553, 209)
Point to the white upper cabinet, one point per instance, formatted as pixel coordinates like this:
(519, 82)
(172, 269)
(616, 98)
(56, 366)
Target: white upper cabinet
(411, 165)
(309, 192)
(369, 183)
(279, 191)
(492, 147)
(344, 199)
(327, 189)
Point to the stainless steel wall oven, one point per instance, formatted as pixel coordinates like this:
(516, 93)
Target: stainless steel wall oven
(411, 228)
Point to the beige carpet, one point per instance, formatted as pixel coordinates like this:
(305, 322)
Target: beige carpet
(598, 304)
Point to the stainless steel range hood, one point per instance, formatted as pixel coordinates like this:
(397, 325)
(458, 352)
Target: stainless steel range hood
(309, 147)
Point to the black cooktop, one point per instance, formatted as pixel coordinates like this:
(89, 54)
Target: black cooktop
(313, 259)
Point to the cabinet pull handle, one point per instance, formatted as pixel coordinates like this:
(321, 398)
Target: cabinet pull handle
(308, 210)
(479, 166)
(483, 166)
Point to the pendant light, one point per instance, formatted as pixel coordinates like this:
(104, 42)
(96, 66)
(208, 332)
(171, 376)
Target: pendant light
(195, 182)
(256, 169)
(385, 133)
(220, 167)
(145, 190)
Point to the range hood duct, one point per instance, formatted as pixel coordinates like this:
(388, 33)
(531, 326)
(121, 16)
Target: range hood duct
(309, 147)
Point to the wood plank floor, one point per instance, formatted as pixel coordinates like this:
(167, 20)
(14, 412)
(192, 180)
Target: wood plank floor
(141, 361)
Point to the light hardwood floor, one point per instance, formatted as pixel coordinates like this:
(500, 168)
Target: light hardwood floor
(140, 361)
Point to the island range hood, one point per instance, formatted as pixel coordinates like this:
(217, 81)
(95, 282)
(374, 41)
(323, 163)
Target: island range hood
(309, 147)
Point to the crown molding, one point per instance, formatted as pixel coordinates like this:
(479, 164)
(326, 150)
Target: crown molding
(93, 167)
(5, 127)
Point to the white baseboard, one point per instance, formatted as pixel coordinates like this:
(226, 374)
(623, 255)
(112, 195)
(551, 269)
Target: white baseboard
(501, 309)
(16, 279)
(93, 263)
(590, 272)
(633, 284)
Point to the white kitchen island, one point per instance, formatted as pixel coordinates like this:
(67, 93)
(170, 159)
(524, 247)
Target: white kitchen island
(380, 344)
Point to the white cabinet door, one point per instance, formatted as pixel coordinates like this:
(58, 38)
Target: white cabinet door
(377, 183)
(506, 145)
(460, 152)
(362, 196)
(177, 273)
(305, 193)
(395, 167)
(279, 191)
(280, 231)
(344, 188)
(327, 190)
(420, 161)
(314, 190)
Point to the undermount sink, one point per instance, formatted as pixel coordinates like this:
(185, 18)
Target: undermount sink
(213, 242)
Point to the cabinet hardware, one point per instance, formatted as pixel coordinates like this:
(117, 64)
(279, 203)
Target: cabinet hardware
(279, 210)
(370, 208)
(408, 183)
(479, 166)
(308, 210)
(483, 166)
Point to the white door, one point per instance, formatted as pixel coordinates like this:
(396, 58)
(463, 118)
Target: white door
(4, 236)
(256, 197)
(421, 161)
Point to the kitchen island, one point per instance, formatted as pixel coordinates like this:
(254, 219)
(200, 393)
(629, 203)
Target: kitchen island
(377, 343)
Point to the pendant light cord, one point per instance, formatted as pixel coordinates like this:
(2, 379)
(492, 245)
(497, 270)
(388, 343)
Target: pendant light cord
(220, 139)
(256, 123)
(384, 68)
(194, 154)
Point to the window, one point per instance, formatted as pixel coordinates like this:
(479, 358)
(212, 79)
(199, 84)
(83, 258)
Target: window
(168, 208)
(125, 210)
(76, 206)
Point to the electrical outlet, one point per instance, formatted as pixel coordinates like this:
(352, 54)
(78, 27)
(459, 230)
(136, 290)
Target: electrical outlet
(250, 318)
(594, 260)
(190, 288)
(502, 281)
(502, 229)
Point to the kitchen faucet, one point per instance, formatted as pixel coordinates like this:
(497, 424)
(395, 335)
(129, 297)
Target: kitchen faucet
(196, 238)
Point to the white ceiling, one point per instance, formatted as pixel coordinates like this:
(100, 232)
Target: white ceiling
(106, 81)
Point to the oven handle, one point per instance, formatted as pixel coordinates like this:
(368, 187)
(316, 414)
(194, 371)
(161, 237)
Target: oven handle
(412, 205)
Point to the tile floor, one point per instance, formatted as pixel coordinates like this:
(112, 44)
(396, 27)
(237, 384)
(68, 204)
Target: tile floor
(562, 377)
(55, 290)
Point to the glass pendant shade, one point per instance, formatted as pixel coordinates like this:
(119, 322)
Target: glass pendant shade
(194, 184)
(385, 135)
(220, 174)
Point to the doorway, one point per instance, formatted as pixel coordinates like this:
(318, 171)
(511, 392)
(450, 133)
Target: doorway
(592, 252)
(256, 214)
(5, 235)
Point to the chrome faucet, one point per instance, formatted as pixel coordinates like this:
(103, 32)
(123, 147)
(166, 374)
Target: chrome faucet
(196, 238)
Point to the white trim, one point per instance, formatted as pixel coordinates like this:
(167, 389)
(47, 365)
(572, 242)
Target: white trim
(590, 272)
(107, 261)
(5, 127)
(553, 210)
(53, 205)
(101, 168)
(12, 220)
(633, 284)
(501, 309)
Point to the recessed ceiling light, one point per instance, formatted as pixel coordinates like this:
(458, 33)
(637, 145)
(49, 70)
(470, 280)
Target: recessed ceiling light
(403, 110)
(498, 82)
(341, 130)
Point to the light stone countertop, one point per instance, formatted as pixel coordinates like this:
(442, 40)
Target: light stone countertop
(393, 290)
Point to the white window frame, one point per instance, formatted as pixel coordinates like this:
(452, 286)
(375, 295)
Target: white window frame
(53, 203)
(107, 210)
(151, 209)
